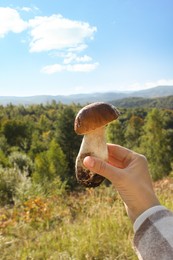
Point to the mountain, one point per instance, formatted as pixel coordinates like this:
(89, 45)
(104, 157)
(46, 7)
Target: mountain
(77, 98)
(160, 91)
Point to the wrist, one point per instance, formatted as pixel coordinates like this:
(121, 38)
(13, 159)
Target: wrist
(143, 208)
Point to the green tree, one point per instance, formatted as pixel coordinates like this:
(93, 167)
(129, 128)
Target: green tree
(3, 144)
(57, 161)
(115, 132)
(154, 144)
(17, 133)
(68, 139)
(41, 168)
(3, 159)
(133, 132)
(38, 145)
(44, 123)
(50, 164)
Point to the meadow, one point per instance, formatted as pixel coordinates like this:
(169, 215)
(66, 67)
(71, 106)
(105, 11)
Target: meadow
(90, 224)
(44, 213)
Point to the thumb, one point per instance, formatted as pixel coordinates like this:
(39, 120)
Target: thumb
(103, 168)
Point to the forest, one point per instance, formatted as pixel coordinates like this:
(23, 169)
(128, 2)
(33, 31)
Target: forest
(38, 187)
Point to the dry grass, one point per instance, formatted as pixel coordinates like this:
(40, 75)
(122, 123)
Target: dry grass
(90, 225)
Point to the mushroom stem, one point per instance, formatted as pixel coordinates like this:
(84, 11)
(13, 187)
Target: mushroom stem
(94, 144)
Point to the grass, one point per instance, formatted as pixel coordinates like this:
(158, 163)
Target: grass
(89, 225)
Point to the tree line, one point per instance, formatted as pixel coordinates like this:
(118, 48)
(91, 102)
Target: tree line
(39, 142)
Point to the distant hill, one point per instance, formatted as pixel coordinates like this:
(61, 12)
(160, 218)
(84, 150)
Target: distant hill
(160, 102)
(160, 91)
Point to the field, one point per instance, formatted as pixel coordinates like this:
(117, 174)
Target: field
(44, 214)
(90, 225)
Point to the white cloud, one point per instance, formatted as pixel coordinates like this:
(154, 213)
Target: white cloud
(33, 9)
(150, 84)
(79, 89)
(51, 69)
(10, 21)
(72, 57)
(52, 33)
(134, 86)
(57, 33)
(26, 9)
(79, 48)
(87, 67)
(68, 37)
(161, 82)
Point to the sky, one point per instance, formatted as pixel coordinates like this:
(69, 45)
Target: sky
(62, 47)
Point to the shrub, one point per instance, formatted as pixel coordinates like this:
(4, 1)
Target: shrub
(21, 161)
(9, 180)
(28, 189)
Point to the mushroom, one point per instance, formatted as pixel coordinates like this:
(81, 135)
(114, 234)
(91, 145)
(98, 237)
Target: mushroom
(91, 122)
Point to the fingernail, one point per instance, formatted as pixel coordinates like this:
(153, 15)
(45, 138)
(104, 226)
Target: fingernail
(88, 162)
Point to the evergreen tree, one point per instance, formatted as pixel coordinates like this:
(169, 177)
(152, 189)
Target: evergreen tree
(154, 144)
(133, 132)
(50, 164)
(17, 133)
(68, 139)
(57, 161)
(115, 132)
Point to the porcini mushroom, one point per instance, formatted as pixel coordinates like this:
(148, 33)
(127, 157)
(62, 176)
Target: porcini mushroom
(91, 122)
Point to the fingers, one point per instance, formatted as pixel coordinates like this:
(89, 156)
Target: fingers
(118, 151)
(105, 169)
(119, 156)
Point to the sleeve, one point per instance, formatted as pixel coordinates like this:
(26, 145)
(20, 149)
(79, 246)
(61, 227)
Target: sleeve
(154, 234)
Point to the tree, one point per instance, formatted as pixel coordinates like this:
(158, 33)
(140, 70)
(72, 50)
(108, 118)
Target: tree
(133, 132)
(17, 133)
(50, 164)
(68, 139)
(115, 132)
(57, 161)
(154, 144)
(37, 144)
(44, 123)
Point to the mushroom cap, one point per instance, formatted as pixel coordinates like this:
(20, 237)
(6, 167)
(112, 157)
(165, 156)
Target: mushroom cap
(93, 116)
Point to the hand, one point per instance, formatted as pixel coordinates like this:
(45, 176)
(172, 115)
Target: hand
(128, 172)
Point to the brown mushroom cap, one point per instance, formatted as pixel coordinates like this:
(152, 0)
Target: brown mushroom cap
(94, 116)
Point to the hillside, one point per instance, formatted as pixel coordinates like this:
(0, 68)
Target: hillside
(160, 91)
(162, 102)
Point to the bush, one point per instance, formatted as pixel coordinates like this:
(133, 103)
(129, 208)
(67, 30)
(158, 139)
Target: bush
(9, 181)
(17, 187)
(21, 161)
(54, 187)
(28, 189)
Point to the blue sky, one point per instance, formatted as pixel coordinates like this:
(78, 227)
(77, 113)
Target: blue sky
(71, 46)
